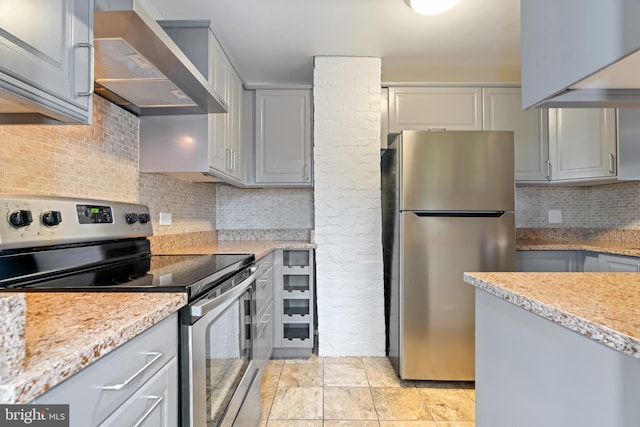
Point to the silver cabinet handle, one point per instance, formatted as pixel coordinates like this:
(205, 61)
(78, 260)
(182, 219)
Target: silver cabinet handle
(90, 47)
(158, 401)
(612, 164)
(156, 356)
(548, 164)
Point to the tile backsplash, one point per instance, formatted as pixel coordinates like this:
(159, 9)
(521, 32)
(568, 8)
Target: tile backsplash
(611, 206)
(274, 208)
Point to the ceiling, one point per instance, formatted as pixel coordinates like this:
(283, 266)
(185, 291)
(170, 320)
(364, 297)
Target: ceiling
(273, 42)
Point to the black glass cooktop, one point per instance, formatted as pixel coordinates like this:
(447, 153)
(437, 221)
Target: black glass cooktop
(193, 274)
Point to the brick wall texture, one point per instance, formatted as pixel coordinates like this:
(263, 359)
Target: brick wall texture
(349, 282)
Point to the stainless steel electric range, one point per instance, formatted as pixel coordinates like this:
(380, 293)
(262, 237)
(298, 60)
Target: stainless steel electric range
(55, 244)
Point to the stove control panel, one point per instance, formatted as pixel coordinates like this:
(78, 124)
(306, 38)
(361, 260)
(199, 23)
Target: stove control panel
(36, 221)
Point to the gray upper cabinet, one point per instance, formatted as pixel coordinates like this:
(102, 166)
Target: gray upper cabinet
(582, 144)
(46, 61)
(422, 108)
(198, 147)
(283, 138)
(501, 111)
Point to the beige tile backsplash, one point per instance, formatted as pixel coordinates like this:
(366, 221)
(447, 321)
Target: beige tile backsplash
(611, 206)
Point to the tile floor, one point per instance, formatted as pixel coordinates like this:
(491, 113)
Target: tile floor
(358, 392)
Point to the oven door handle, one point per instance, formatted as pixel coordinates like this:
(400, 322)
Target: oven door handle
(220, 303)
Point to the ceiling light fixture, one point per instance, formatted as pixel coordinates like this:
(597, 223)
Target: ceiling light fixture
(431, 7)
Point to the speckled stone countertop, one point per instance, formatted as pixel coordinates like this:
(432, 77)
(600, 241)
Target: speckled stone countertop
(601, 306)
(66, 332)
(609, 247)
(617, 242)
(258, 247)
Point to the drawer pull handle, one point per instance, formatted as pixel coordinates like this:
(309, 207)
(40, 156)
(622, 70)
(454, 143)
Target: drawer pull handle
(158, 401)
(156, 356)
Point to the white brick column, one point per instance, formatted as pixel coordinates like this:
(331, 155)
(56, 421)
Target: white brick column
(350, 295)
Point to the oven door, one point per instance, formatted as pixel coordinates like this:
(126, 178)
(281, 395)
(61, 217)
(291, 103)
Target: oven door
(216, 361)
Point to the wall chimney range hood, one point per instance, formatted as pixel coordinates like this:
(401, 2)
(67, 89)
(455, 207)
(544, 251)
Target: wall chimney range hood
(580, 53)
(139, 67)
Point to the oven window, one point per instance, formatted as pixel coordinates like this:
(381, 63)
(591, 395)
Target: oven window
(228, 355)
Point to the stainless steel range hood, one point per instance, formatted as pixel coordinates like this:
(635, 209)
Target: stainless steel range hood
(580, 53)
(139, 67)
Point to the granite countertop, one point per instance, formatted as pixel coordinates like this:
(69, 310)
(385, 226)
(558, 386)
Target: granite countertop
(258, 247)
(600, 306)
(65, 332)
(604, 246)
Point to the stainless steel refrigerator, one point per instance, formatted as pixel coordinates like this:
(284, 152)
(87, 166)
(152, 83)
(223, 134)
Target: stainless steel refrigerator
(448, 207)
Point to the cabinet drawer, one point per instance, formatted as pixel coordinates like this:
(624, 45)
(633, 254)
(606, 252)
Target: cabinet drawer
(264, 293)
(154, 405)
(263, 344)
(121, 372)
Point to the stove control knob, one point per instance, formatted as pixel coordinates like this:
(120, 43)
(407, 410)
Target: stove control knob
(131, 218)
(20, 218)
(144, 218)
(51, 218)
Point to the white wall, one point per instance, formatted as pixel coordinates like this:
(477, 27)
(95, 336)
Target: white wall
(350, 296)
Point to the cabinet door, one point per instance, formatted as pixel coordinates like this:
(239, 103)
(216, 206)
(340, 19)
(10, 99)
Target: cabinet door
(546, 261)
(235, 137)
(283, 137)
(421, 108)
(219, 152)
(46, 55)
(582, 143)
(616, 263)
(501, 110)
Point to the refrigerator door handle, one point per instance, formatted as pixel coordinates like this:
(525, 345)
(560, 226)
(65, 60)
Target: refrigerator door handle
(462, 214)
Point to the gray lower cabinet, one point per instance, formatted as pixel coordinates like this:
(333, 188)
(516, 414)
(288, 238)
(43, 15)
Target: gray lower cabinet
(263, 344)
(46, 61)
(574, 261)
(618, 263)
(564, 378)
(294, 303)
(135, 384)
(546, 261)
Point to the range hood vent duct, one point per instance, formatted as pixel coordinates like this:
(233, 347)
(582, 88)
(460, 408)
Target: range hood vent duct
(139, 67)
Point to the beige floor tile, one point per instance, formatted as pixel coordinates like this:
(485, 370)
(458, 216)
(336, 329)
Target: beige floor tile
(312, 359)
(343, 360)
(448, 404)
(301, 375)
(383, 375)
(345, 375)
(267, 395)
(294, 423)
(275, 362)
(271, 375)
(384, 359)
(351, 423)
(262, 423)
(348, 403)
(456, 423)
(400, 404)
(297, 403)
(472, 393)
(408, 424)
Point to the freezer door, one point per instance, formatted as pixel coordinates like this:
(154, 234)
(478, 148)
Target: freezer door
(456, 170)
(436, 306)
